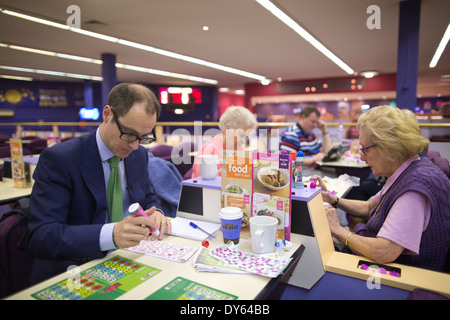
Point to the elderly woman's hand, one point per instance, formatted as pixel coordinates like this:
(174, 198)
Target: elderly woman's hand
(333, 219)
(328, 198)
(320, 183)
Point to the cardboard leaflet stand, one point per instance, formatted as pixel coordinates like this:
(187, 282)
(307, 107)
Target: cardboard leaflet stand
(17, 164)
(237, 176)
(259, 184)
(272, 179)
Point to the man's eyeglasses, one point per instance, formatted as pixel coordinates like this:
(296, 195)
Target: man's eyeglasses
(363, 150)
(131, 137)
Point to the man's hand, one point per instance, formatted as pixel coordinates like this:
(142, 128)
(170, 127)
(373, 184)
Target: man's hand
(322, 126)
(315, 158)
(160, 222)
(130, 231)
(133, 229)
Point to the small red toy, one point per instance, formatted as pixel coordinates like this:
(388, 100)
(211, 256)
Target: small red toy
(205, 244)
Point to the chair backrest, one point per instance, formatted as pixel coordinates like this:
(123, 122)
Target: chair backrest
(181, 158)
(188, 174)
(16, 262)
(37, 145)
(5, 151)
(162, 151)
(441, 162)
(4, 140)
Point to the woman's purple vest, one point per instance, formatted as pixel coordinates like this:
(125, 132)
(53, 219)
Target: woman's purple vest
(422, 176)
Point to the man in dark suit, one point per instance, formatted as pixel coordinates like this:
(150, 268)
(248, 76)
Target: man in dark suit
(71, 223)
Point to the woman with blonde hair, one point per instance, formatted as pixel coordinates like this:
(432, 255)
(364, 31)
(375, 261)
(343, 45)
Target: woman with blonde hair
(235, 124)
(409, 219)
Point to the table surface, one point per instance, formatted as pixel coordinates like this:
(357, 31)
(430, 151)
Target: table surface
(10, 193)
(344, 163)
(255, 287)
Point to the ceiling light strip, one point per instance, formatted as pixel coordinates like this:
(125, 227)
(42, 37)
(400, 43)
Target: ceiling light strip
(53, 73)
(191, 59)
(440, 48)
(4, 76)
(136, 45)
(304, 34)
(35, 19)
(118, 65)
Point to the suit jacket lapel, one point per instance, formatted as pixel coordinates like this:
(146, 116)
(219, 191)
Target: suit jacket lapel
(92, 172)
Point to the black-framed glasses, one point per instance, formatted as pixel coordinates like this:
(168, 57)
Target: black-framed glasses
(363, 150)
(131, 137)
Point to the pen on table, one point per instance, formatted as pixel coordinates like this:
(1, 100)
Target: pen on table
(193, 225)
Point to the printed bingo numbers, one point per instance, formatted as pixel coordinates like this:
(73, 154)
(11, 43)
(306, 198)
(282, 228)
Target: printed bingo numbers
(264, 265)
(185, 289)
(104, 281)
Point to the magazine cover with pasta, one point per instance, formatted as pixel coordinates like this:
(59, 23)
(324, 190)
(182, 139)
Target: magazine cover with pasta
(237, 182)
(272, 178)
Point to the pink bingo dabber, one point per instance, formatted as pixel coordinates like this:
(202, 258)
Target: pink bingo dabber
(136, 210)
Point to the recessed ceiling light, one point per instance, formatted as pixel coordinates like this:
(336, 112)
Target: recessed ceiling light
(369, 74)
(205, 28)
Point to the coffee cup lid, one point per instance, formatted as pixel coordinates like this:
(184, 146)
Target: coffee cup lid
(231, 213)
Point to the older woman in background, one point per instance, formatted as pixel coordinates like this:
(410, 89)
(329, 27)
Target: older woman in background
(409, 219)
(235, 124)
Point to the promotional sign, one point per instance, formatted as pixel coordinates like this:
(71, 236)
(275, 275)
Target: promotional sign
(237, 176)
(272, 179)
(17, 164)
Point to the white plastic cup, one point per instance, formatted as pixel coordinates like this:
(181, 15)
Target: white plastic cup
(208, 166)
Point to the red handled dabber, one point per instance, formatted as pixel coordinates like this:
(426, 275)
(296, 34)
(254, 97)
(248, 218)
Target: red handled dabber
(136, 210)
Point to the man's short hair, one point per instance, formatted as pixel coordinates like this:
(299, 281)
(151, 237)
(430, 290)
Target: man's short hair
(124, 96)
(306, 111)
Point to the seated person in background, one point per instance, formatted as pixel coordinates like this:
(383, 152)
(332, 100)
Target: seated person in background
(165, 177)
(409, 219)
(72, 218)
(235, 123)
(300, 136)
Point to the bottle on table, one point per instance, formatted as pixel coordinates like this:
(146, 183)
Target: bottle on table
(298, 176)
(293, 156)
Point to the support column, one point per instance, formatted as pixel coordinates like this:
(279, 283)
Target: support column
(88, 94)
(408, 54)
(109, 76)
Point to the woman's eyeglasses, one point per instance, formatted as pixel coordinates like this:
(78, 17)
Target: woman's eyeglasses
(363, 150)
(131, 137)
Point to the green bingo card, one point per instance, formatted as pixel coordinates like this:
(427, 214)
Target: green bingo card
(184, 289)
(104, 281)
